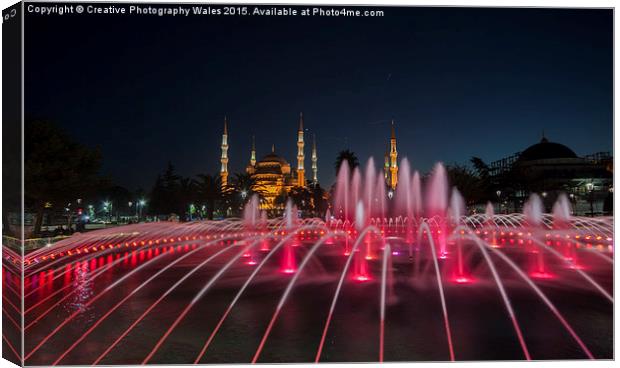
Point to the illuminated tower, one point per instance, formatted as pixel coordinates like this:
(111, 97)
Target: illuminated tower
(393, 177)
(251, 167)
(253, 154)
(386, 166)
(315, 159)
(301, 172)
(224, 159)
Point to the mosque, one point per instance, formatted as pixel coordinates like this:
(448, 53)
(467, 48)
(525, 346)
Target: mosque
(274, 175)
(546, 167)
(551, 168)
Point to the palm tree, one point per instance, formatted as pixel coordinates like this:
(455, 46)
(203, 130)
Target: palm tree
(247, 183)
(243, 187)
(348, 156)
(319, 200)
(302, 198)
(209, 190)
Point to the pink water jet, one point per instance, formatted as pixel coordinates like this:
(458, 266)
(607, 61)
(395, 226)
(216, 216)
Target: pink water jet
(437, 203)
(457, 208)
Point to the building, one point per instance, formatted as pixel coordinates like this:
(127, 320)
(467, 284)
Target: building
(315, 162)
(224, 157)
(273, 175)
(391, 162)
(550, 168)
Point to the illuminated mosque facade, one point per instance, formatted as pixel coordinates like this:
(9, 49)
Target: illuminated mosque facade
(273, 175)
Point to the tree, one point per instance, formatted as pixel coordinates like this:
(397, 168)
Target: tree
(247, 183)
(209, 191)
(57, 169)
(467, 182)
(302, 198)
(166, 195)
(186, 195)
(243, 187)
(482, 169)
(279, 202)
(483, 172)
(319, 200)
(119, 197)
(348, 156)
(157, 204)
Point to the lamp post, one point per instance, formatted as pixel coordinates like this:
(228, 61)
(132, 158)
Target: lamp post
(107, 207)
(141, 204)
(130, 204)
(499, 201)
(590, 188)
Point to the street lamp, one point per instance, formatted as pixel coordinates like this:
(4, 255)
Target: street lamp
(499, 201)
(139, 207)
(590, 188)
(107, 207)
(572, 202)
(130, 203)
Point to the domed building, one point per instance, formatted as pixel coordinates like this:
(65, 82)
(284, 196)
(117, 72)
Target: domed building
(545, 150)
(550, 168)
(272, 175)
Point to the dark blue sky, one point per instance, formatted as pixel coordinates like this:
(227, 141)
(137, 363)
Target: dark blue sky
(458, 82)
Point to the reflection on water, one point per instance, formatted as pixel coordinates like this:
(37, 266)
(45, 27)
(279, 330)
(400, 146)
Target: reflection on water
(413, 326)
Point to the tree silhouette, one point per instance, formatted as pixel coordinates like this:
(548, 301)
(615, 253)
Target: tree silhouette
(467, 182)
(350, 157)
(166, 195)
(319, 200)
(209, 191)
(302, 198)
(242, 188)
(57, 169)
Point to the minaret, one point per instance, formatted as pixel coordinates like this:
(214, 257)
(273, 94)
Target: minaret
(393, 159)
(253, 154)
(224, 159)
(301, 172)
(386, 166)
(250, 169)
(315, 159)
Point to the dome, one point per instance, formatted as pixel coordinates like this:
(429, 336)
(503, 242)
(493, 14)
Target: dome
(272, 164)
(546, 150)
(272, 158)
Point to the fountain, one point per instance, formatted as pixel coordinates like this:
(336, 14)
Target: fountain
(413, 276)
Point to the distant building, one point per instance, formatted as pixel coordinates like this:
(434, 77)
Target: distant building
(391, 162)
(550, 168)
(224, 157)
(273, 175)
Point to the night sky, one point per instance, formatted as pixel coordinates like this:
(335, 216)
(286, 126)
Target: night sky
(458, 82)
